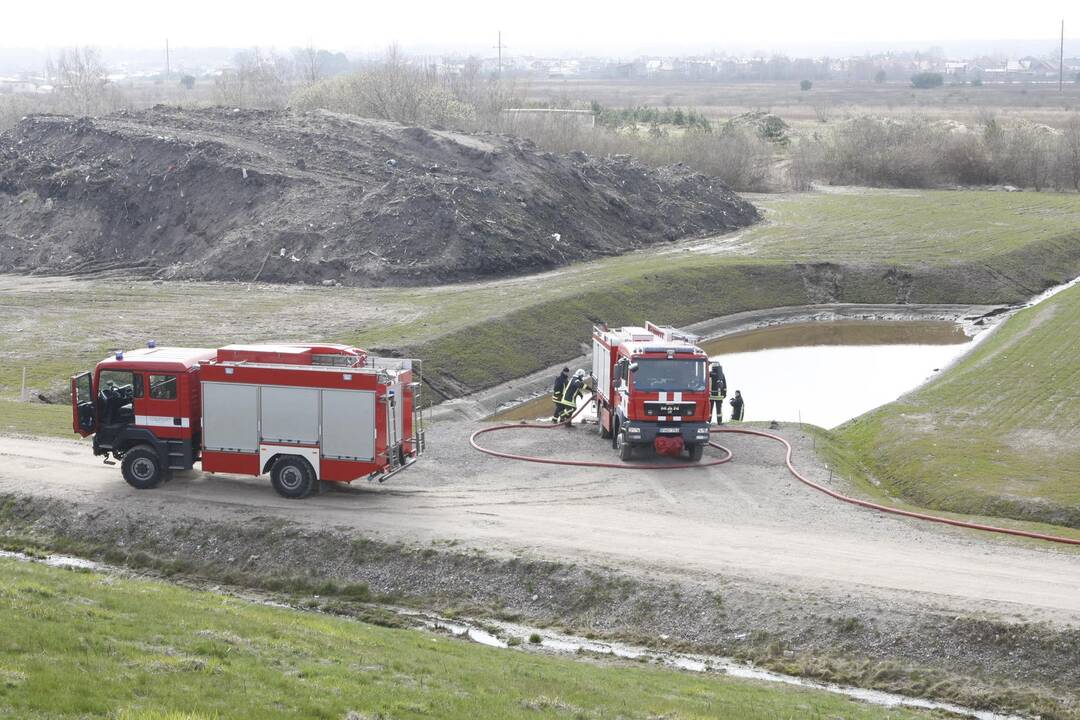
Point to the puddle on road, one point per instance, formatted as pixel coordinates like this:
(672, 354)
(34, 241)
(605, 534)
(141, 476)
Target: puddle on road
(823, 373)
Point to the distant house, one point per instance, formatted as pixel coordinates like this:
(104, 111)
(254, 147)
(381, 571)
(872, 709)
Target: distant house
(659, 66)
(10, 85)
(1026, 68)
(1038, 67)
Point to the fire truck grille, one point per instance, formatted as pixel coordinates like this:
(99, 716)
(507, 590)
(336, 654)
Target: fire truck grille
(662, 409)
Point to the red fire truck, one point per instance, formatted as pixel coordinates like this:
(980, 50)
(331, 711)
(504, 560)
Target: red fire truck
(652, 388)
(302, 413)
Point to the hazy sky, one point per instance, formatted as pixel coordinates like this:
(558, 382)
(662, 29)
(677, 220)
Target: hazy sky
(577, 26)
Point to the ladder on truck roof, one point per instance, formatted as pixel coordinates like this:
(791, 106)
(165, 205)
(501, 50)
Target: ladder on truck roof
(670, 334)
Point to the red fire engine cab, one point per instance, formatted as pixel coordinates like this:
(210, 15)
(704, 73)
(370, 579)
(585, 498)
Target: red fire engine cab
(302, 413)
(652, 389)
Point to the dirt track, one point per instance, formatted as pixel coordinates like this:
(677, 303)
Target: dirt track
(748, 519)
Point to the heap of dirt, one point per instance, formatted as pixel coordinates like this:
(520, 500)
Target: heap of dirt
(319, 197)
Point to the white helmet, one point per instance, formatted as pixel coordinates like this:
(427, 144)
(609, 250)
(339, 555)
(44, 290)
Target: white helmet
(580, 373)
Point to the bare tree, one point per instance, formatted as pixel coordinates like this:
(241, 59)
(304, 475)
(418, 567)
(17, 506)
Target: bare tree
(805, 164)
(79, 75)
(1026, 156)
(1069, 154)
(229, 87)
(258, 78)
(309, 61)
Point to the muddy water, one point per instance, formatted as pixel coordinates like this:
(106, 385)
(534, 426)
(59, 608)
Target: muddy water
(826, 373)
(823, 373)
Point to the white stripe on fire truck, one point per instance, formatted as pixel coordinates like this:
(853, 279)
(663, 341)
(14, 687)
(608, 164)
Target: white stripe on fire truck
(678, 399)
(661, 398)
(161, 421)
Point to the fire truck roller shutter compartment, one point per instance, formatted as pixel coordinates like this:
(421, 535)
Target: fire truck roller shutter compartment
(348, 424)
(230, 417)
(289, 415)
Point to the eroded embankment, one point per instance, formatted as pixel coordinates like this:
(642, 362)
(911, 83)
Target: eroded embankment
(540, 335)
(978, 661)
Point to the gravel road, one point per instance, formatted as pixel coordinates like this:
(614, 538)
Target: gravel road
(748, 519)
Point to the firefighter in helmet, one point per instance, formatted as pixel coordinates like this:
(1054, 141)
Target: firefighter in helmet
(738, 407)
(571, 394)
(717, 391)
(556, 394)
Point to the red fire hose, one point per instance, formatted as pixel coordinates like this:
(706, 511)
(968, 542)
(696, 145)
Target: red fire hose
(727, 458)
(893, 510)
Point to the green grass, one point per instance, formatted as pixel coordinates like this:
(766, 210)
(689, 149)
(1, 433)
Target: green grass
(996, 435)
(864, 246)
(35, 419)
(82, 645)
(912, 226)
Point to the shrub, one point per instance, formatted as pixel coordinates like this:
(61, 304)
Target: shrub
(805, 85)
(926, 80)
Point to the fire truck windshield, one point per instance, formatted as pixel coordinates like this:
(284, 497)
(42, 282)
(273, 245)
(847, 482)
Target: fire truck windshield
(663, 374)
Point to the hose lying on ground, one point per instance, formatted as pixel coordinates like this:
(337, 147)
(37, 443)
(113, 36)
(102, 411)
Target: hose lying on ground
(727, 458)
(894, 510)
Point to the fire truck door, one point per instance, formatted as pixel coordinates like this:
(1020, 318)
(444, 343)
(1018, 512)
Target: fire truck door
(161, 408)
(83, 405)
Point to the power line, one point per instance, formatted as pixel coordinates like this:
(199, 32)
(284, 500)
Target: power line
(500, 48)
(1061, 58)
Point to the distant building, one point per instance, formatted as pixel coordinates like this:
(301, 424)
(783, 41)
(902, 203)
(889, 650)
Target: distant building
(11, 85)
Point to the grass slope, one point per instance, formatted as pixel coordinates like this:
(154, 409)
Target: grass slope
(82, 645)
(995, 435)
(865, 246)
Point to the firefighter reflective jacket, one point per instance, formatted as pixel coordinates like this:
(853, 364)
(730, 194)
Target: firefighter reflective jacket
(560, 385)
(573, 391)
(717, 384)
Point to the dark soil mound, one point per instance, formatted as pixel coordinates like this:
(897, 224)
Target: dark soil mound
(318, 197)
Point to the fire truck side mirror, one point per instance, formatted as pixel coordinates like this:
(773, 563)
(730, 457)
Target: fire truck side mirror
(633, 367)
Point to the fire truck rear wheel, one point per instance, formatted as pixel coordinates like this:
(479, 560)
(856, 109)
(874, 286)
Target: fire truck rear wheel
(293, 477)
(141, 467)
(696, 451)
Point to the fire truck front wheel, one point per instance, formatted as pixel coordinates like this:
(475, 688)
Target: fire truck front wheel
(626, 448)
(293, 477)
(141, 467)
(696, 451)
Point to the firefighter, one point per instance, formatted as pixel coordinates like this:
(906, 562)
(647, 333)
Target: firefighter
(717, 392)
(556, 394)
(571, 393)
(737, 407)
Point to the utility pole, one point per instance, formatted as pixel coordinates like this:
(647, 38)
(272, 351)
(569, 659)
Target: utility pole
(500, 47)
(166, 60)
(1061, 59)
